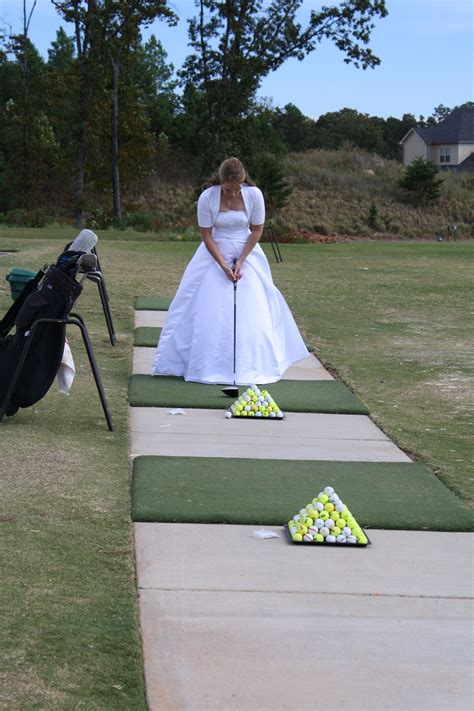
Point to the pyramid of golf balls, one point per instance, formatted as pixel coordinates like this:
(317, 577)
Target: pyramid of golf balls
(255, 403)
(326, 520)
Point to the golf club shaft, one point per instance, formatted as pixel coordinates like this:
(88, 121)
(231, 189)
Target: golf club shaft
(235, 322)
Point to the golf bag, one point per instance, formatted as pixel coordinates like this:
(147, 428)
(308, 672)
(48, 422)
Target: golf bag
(50, 296)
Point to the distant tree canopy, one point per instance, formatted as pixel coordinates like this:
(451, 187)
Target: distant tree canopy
(60, 148)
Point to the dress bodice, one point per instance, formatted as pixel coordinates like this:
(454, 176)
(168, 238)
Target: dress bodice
(231, 224)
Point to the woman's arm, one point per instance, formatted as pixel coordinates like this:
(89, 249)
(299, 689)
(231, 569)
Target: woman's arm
(255, 234)
(214, 251)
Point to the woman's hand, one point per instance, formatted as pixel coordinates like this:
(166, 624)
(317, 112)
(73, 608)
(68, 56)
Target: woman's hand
(237, 270)
(229, 272)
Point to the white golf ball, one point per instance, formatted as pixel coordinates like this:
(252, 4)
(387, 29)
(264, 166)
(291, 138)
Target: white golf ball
(330, 539)
(351, 539)
(329, 490)
(340, 507)
(334, 498)
(319, 506)
(324, 531)
(296, 517)
(330, 523)
(313, 530)
(258, 414)
(347, 531)
(272, 414)
(319, 523)
(279, 415)
(303, 513)
(247, 408)
(228, 414)
(307, 537)
(247, 398)
(341, 538)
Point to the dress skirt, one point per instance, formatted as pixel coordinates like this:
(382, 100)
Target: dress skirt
(197, 340)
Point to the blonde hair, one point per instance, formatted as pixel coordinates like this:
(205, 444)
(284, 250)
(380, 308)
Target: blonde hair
(231, 170)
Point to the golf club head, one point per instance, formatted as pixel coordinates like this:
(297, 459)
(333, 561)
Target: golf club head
(231, 391)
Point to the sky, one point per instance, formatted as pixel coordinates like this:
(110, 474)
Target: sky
(426, 48)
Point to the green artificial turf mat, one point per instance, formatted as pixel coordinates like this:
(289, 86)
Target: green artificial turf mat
(152, 303)
(146, 336)
(401, 496)
(329, 396)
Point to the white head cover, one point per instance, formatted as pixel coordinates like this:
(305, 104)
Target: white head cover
(84, 242)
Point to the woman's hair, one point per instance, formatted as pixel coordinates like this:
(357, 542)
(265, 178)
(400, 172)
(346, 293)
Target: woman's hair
(231, 170)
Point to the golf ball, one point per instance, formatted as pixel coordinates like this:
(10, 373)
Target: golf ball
(319, 523)
(351, 539)
(340, 507)
(324, 531)
(318, 506)
(228, 414)
(330, 539)
(341, 538)
(329, 490)
(329, 523)
(346, 531)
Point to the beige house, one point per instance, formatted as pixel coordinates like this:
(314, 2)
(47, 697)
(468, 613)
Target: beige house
(449, 144)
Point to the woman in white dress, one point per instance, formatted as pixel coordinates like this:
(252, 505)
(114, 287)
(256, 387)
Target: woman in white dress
(197, 339)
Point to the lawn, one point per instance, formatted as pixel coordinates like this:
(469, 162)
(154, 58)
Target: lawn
(394, 320)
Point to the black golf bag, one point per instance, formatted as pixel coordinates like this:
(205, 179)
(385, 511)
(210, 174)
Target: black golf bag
(52, 299)
(30, 359)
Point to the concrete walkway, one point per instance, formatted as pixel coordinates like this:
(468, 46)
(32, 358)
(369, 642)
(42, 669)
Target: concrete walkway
(231, 621)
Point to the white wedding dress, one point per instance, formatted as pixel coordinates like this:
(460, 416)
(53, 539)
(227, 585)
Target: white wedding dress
(197, 339)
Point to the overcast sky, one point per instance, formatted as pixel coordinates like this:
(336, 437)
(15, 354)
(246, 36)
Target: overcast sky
(426, 48)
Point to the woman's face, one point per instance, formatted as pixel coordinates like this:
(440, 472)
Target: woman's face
(231, 190)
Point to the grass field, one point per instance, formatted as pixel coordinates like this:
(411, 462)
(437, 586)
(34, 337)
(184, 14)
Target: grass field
(393, 319)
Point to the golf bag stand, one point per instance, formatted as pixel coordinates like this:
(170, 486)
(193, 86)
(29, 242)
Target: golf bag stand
(30, 359)
(272, 238)
(73, 320)
(104, 298)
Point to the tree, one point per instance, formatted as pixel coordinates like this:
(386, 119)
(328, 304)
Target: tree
(421, 183)
(294, 127)
(84, 15)
(154, 79)
(238, 42)
(121, 21)
(332, 130)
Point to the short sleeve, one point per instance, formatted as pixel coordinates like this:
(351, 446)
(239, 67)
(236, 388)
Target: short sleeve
(258, 208)
(204, 214)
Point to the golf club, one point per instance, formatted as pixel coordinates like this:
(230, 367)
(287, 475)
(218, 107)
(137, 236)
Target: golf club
(233, 391)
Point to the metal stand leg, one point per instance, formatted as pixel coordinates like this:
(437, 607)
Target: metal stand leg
(74, 320)
(104, 298)
(274, 243)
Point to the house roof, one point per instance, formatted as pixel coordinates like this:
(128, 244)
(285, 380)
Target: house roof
(458, 127)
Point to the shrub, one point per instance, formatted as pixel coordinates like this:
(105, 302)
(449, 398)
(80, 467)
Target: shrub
(36, 218)
(421, 183)
(99, 219)
(372, 216)
(17, 217)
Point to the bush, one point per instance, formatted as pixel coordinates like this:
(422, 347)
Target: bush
(372, 217)
(17, 217)
(139, 221)
(421, 183)
(36, 218)
(99, 219)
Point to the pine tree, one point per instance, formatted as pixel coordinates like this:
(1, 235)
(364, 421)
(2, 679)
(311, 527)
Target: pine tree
(421, 183)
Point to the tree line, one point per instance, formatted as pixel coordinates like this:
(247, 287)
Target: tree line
(106, 112)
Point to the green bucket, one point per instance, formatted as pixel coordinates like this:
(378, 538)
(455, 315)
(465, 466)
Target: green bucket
(18, 277)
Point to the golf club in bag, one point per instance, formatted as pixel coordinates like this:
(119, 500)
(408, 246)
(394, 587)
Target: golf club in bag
(30, 359)
(233, 391)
